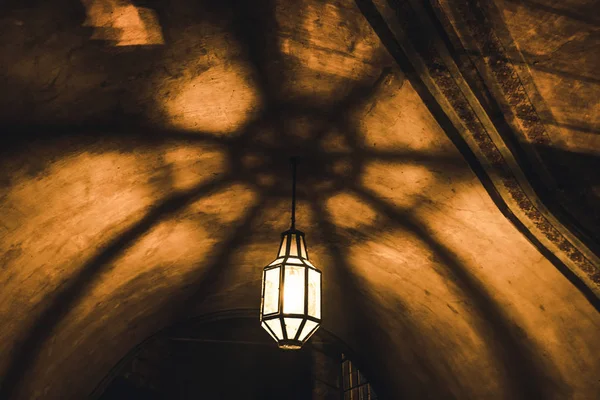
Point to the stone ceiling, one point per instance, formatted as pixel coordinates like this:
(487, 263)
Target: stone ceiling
(448, 183)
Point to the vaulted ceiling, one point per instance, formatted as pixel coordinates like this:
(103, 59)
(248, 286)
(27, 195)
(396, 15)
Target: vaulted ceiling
(448, 183)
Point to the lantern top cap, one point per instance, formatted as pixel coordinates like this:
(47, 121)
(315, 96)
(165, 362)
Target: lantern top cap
(292, 231)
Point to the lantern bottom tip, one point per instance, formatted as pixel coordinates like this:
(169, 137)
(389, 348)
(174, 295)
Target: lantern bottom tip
(290, 346)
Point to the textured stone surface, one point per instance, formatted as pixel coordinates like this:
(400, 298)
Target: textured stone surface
(559, 44)
(145, 184)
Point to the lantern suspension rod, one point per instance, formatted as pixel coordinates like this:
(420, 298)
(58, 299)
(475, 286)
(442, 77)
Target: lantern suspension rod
(294, 162)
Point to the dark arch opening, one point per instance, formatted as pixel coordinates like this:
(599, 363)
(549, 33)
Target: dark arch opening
(226, 355)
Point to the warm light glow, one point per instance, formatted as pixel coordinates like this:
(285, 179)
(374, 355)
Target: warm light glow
(314, 293)
(348, 211)
(308, 328)
(291, 326)
(293, 247)
(187, 166)
(122, 23)
(275, 326)
(293, 290)
(88, 196)
(324, 47)
(392, 124)
(327, 50)
(405, 183)
(291, 310)
(271, 300)
(303, 248)
(218, 100)
(283, 247)
(265, 327)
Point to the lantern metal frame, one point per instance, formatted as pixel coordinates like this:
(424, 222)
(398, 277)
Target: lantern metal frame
(292, 253)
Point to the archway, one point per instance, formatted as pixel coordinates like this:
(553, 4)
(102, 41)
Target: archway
(226, 355)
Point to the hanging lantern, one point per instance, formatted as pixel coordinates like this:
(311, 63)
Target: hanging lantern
(291, 290)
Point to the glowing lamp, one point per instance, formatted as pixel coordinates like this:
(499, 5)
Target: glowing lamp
(291, 290)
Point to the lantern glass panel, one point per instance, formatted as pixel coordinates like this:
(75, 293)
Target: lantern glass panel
(291, 327)
(293, 290)
(294, 260)
(314, 293)
(294, 245)
(277, 261)
(308, 327)
(268, 330)
(303, 248)
(275, 326)
(271, 296)
(283, 247)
